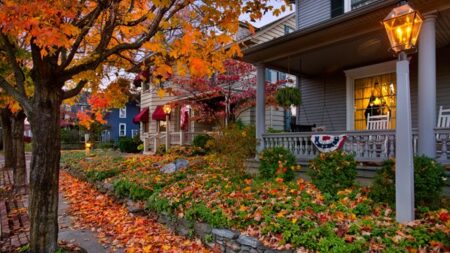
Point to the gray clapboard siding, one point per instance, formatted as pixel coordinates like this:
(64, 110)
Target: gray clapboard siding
(274, 117)
(274, 31)
(310, 12)
(323, 102)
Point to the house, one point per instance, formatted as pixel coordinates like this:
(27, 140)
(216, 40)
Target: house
(339, 55)
(120, 122)
(182, 128)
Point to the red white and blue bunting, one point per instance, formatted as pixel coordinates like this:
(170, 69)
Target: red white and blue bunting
(328, 143)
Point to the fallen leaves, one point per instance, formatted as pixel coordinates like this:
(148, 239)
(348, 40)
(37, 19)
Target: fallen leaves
(115, 226)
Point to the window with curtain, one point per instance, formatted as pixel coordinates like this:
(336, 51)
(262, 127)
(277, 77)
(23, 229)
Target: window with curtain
(375, 95)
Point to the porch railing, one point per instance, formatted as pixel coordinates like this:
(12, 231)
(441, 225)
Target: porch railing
(153, 141)
(367, 146)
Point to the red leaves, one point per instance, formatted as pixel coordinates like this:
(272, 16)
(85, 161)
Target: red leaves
(114, 224)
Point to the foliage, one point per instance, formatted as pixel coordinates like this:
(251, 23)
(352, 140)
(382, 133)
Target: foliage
(200, 212)
(70, 135)
(115, 226)
(233, 145)
(288, 96)
(105, 145)
(132, 190)
(428, 182)
(333, 171)
(201, 140)
(225, 95)
(129, 144)
(281, 214)
(100, 175)
(161, 149)
(277, 162)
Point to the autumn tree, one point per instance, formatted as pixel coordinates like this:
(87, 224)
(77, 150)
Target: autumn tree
(68, 45)
(225, 95)
(13, 124)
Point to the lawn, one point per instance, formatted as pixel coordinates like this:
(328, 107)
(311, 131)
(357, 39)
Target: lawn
(282, 215)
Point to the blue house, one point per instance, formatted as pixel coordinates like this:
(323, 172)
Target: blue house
(120, 122)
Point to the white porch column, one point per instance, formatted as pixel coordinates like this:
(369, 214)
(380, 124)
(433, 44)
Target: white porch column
(404, 171)
(427, 87)
(260, 106)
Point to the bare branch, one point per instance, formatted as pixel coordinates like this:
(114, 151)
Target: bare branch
(75, 91)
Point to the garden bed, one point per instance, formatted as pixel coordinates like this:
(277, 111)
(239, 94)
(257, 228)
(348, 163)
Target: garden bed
(255, 214)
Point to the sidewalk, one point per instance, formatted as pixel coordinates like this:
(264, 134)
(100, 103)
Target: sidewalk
(14, 221)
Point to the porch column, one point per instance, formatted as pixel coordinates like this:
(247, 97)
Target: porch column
(260, 107)
(427, 87)
(404, 168)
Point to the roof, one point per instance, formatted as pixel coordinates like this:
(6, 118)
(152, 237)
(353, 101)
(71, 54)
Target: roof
(352, 39)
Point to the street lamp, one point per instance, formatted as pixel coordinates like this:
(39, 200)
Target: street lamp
(403, 27)
(167, 109)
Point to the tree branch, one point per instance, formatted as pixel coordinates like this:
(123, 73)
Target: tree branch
(23, 101)
(18, 73)
(75, 91)
(84, 31)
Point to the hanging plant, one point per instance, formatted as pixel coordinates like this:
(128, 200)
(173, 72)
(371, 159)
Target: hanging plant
(288, 96)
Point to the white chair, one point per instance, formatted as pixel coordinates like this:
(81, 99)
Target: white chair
(443, 121)
(443, 118)
(378, 122)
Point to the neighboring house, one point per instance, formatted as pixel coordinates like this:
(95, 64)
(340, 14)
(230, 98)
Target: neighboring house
(68, 112)
(339, 54)
(181, 128)
(120, 122)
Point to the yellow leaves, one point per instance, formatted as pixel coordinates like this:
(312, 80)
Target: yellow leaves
(152, 46)
(69, 29)
(161, 93)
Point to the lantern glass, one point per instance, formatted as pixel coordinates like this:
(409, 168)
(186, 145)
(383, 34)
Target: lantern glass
(167, 109)
(403, 27)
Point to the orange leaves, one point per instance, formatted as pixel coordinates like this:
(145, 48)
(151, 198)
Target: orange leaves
(115, 225)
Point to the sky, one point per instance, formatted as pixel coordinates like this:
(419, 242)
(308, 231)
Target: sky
(268, 17)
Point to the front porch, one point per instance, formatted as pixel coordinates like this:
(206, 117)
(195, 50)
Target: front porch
(368, 146)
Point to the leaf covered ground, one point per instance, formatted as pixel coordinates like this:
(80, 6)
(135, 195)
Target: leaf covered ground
(281, 214)
(115, 226)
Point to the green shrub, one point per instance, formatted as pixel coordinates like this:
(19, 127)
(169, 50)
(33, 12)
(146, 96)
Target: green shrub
(277, 162)
(233, 145)
(126, 189)
(96, 175)
(70, 135)
(200, 212)
(129, 145)
(160, 150)
(201, 140)
(105, 145)
(288, 96)
(332, 172)
(429, 178)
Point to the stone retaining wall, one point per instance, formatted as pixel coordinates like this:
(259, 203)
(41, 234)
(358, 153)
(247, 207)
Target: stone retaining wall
(225, 240)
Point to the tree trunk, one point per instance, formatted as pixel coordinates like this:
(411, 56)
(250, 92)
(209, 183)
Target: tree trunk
(7, 137)
(18, 126)
(44, 171)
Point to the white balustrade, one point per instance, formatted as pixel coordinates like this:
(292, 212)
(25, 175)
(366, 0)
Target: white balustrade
(367, 146)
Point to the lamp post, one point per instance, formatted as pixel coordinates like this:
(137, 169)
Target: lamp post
(167, 109)
(403, 27)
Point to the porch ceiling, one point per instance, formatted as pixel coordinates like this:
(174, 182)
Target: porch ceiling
(351, 40)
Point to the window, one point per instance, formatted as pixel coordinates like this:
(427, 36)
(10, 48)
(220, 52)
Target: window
(162, 126)
(134, 132)
(123, 112)
(122, 129)
(337, 8)
(374, 95)
(288, 29)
